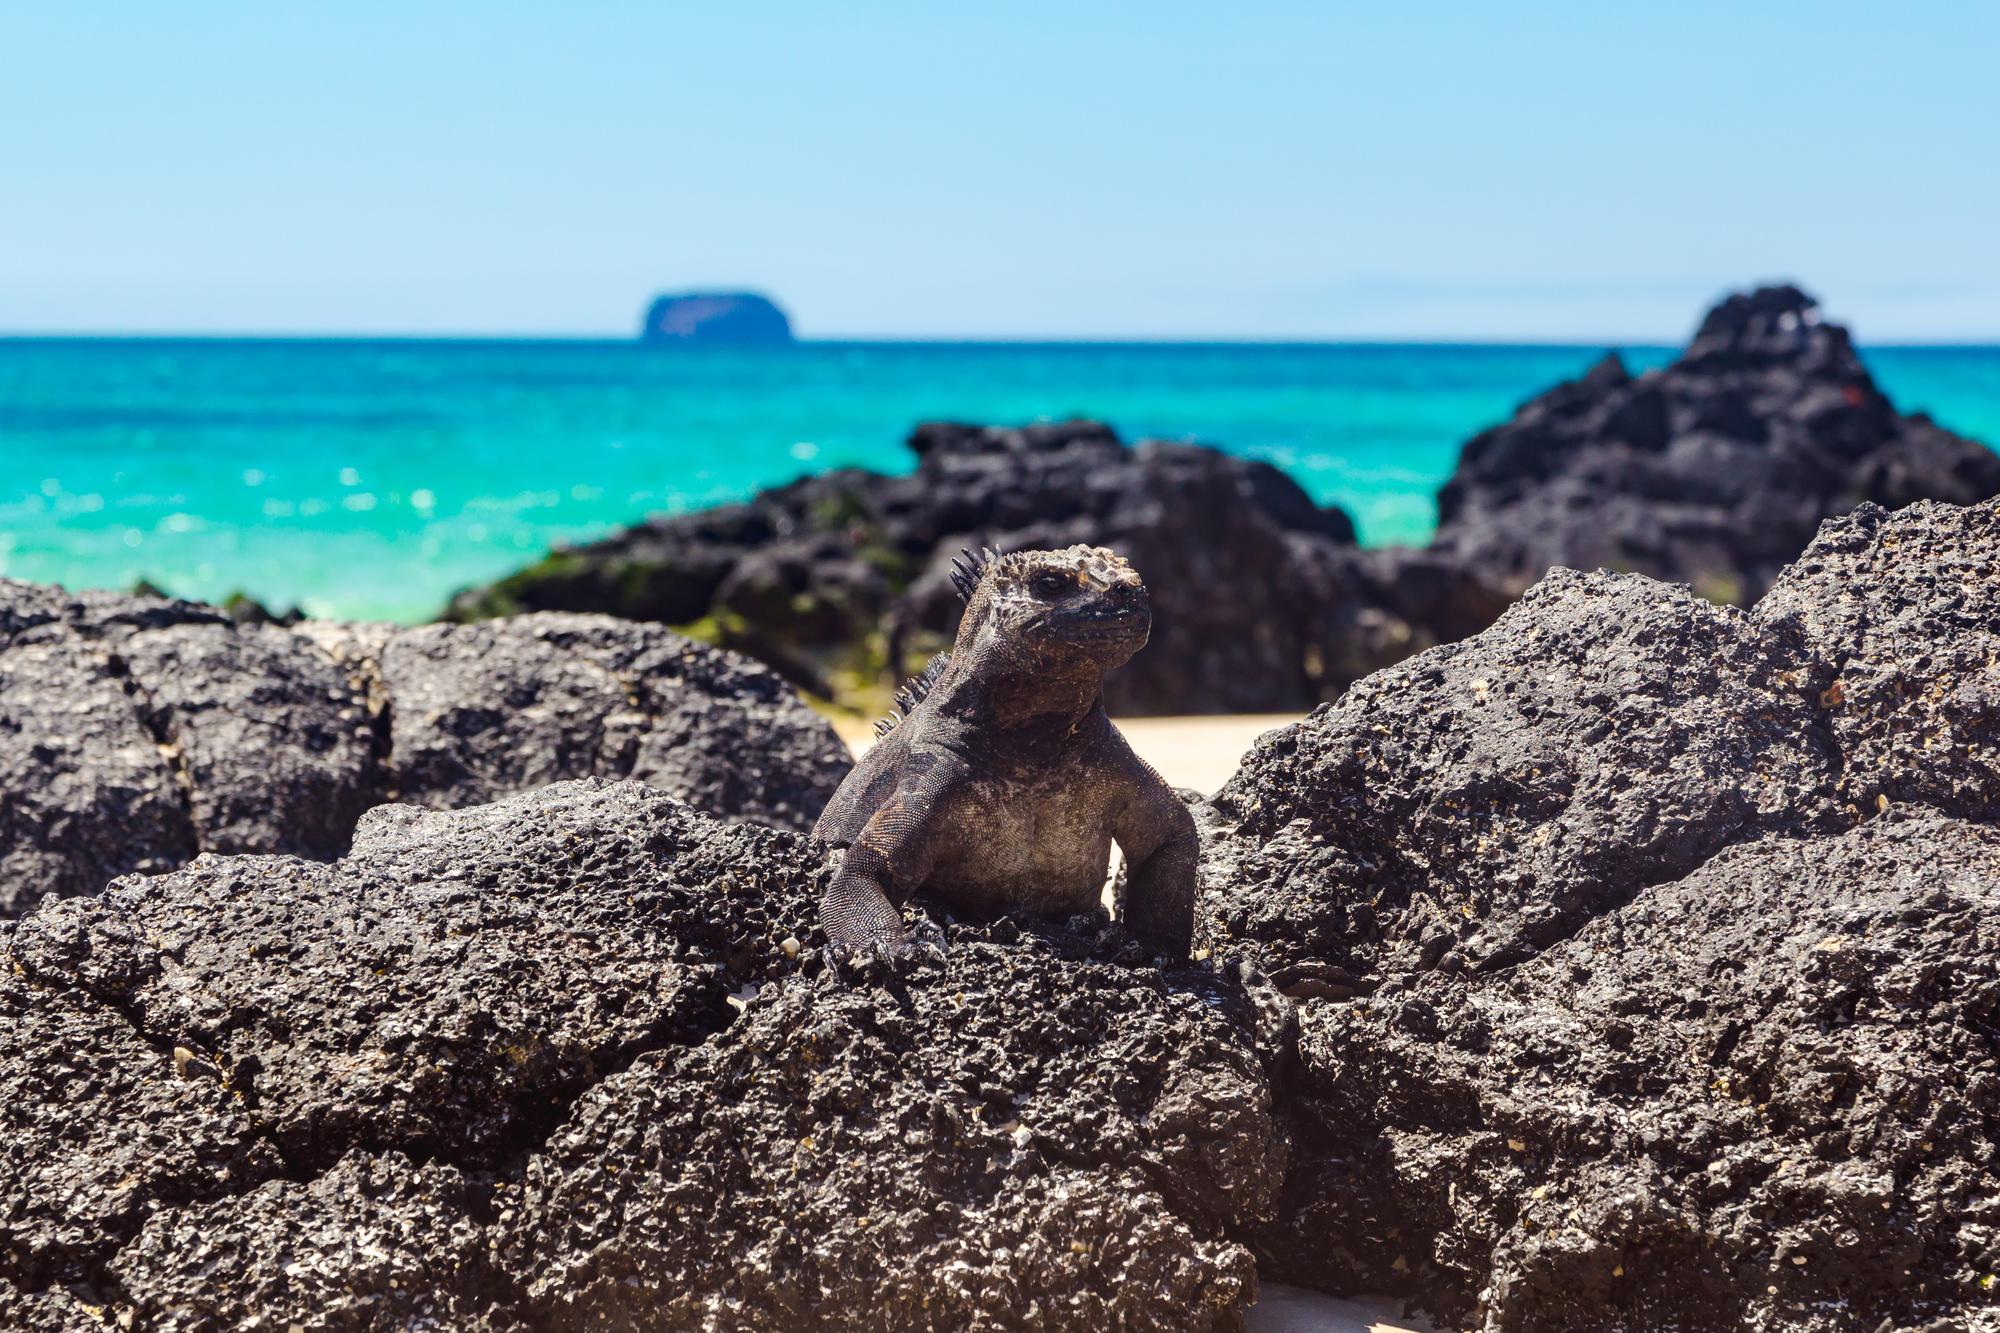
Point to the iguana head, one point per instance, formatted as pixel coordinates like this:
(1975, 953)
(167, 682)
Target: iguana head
(1058, 612)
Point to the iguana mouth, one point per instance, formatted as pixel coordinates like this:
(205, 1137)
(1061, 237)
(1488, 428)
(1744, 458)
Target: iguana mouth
(1105, 623)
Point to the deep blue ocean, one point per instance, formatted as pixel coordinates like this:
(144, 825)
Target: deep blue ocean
(372, 478)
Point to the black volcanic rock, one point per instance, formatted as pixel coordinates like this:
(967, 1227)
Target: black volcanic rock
(1261, 600)
(374, 1243)
(1762, 1096)
(735, 319)
(1714, 471)
(137, 732)
(456, 978)
(478, 712)
(1468, 806)
(440, 995)
(570, 1061)
(1645, 955)
(1031, 1140)
(98, 1130)
(1646, 950)
(1901, 612)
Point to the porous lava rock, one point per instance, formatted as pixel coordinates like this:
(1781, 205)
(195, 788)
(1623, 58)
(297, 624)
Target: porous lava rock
(455, 980)
(374, 1243)
(1762, 1096)
(1656, 988)
(1030, 1139)
(55, 1310)
(1471, 805)
(1644, 956)
(98, 1129)
(474, 713)
(1902, 614)
(1261, 601)
(570, 1060)
(1715, 470)
(137, 732)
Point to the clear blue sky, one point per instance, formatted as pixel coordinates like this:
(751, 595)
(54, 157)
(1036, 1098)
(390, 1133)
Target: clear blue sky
(1578, 170)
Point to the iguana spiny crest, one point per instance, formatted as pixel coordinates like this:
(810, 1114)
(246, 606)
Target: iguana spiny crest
(1071, 615)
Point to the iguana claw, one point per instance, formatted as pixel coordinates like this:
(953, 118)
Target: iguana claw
(921, 945)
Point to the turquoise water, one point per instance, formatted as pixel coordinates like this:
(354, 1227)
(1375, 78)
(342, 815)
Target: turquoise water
(372, 478)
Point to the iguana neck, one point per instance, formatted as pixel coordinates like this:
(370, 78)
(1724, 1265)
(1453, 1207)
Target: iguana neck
(986, 695)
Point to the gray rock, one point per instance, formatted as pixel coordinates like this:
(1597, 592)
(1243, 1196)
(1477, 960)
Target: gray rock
(1483, 799)
(458, 978)
(1626, 1003)
(482, 711)
(1714, 471)
(1026, 1141)
(90, 790)
(1618, 1003)
(100, 1126)
(55, 1310)
(585, 1029)
(1762, 1097)
(1902, 614)
(269, 742)
(136, 732)
(376, 1243)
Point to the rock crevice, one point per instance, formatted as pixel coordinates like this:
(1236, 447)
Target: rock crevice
(139, 732)
(1715, 1038)
(475, 1015)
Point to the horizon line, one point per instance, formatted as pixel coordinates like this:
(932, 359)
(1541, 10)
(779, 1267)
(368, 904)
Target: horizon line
(942, 340)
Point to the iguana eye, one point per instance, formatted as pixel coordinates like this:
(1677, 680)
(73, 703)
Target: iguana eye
(1049, 587)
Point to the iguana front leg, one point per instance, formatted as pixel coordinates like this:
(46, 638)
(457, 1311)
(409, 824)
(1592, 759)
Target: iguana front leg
(887, 862)
(1162, 850)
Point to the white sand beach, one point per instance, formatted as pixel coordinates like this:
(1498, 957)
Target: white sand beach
(1197, 752)
(1283, 1309)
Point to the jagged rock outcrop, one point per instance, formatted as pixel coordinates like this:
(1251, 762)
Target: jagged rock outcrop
(1261, 601)
(374, 1243)
(1903, 612)
(1473, 804)
(1714, 471)
(1760, 1096)
(1646, 965)
(136, 732)
(728, 319)
(1032, 1140)
(1646, 950)
(570, 1061)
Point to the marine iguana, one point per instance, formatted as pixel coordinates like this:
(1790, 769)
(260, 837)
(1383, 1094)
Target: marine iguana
(999, 783)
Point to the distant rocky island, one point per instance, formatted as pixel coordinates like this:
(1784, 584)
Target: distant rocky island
(731, 319)
(1713, 471)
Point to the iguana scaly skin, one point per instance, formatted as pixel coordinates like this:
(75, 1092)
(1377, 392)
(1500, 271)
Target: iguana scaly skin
(1001, 784)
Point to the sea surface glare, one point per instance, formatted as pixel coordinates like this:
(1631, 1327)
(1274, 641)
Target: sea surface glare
(372, 478)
